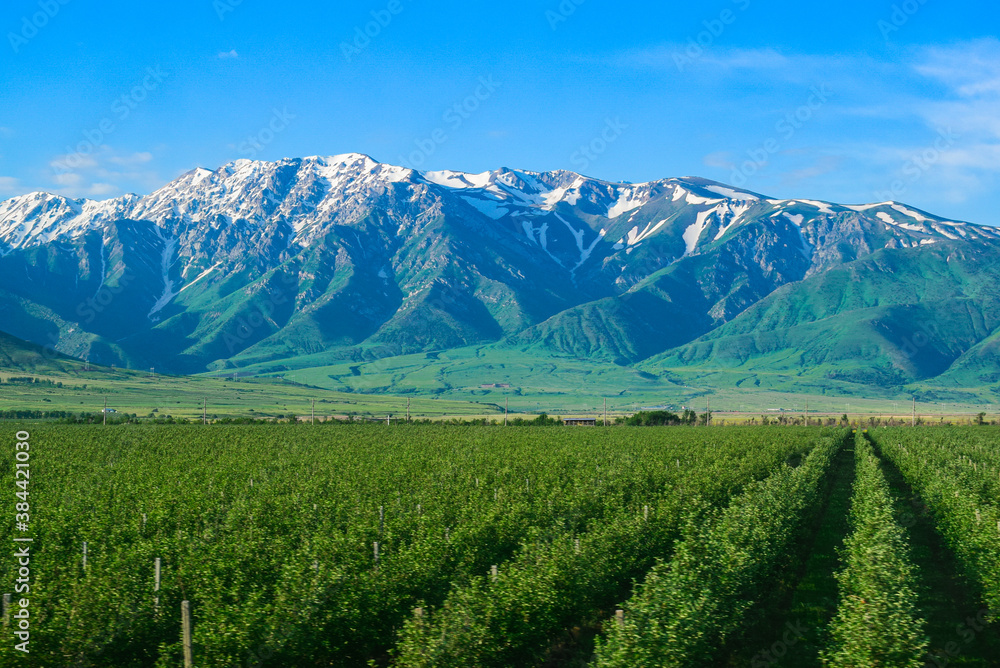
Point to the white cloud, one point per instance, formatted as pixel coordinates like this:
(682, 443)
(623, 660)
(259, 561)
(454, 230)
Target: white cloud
(720, 160)
(822, 166)
(970, 73)
(102, 173)
(99, 189)
(225, 55)
(68, 179)
(10, 184)
(70, 161)
(134, 159)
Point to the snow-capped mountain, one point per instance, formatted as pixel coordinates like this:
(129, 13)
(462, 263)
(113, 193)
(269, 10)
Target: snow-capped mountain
(271, 260)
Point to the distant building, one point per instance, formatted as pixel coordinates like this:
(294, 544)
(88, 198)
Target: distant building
(495, 386)
(580, 422)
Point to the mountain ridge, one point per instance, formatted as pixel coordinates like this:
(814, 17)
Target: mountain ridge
(262, 261)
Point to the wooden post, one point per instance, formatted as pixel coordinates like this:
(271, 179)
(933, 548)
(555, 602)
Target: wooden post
(156, 582)
(85, 555)
(186, 633)
(381, 519)
(376, 554)
(576, 546)
(645, 513)
(493, 572)
(620, 618)
(6, 609)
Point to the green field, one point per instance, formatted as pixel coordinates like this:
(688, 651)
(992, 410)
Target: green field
(430, 545)
(450, 384)
(567, 385)
(69, 385)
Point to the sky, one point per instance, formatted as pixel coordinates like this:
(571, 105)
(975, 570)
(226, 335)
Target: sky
(851, 102)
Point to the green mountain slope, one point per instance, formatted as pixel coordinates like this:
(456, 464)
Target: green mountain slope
(17, 356)
(895, 317)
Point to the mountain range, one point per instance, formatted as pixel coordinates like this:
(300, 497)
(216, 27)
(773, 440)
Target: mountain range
(267, 267)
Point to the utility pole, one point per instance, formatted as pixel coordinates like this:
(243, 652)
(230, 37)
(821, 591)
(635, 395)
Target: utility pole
(807, 412)
(105, 411)
(914, 419)
(314, 411)
(708, 414)
(407, 409)
(506, 401)
(605, 411)
(204, 412)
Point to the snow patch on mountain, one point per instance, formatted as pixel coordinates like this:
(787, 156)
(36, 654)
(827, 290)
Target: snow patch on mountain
(730, 214)
(169, 248)
(490, 208)
(200, 276)
(627, 201)
(694, 231)
(729, 193)
(916, 215)
(823, 207)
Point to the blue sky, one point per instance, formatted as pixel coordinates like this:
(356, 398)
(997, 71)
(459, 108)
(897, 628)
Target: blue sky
(849, 101)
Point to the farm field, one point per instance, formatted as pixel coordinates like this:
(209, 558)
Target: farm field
(431, 545)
